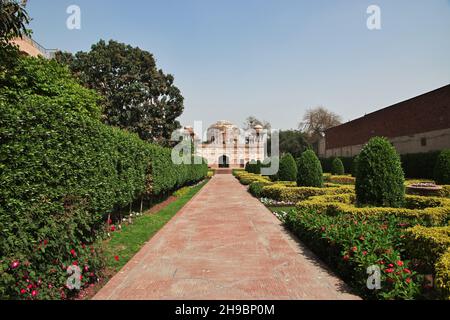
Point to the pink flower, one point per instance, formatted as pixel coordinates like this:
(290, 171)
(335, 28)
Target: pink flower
(389, 270)
(23, 291)
(400, 263)
(364, 253)
(15, 264)
(354, 249)
(407, 271)
(34, 293)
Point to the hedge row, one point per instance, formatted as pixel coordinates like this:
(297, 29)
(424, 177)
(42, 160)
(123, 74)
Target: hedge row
(285, 193)
(415, 165)
(428, 211)
(63, 173)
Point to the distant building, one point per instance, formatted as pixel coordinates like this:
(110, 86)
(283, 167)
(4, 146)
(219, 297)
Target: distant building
(28, 46)
(227, 146)
(420, 124)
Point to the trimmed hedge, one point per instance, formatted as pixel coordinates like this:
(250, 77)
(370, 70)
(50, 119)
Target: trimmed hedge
(309, 170)
(348, 163)
(428, 211)
(419, 165)
(379, 177)
(339, 179)
(442, 270)
(285, 193)
(337, 167)
(288, 168)
(442, 168)
(63, 173)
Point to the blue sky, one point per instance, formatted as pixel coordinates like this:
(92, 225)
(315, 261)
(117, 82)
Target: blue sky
(270, 58)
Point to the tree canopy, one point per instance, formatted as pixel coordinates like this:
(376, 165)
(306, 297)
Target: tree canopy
(317, 120)
(138, 97)
(13, 20)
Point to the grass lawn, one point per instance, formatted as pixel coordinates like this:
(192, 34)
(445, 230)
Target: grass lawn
(126, 243)
(280, 209)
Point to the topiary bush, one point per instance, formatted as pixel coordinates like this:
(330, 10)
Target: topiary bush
(337, 167)
(309, 170)
(379, 177)
(288, 168)
(442, 168)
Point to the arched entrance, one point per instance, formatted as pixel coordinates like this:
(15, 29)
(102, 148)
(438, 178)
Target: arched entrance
(224, 161)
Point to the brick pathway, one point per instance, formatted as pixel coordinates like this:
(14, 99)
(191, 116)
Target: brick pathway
(224, 244)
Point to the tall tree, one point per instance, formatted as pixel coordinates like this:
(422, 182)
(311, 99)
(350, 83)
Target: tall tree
(138, 97)
(13, 20)
(317, 120)
(293, 142)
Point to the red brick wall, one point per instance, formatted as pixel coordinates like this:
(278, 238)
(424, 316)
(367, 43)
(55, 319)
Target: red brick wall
(428, 112)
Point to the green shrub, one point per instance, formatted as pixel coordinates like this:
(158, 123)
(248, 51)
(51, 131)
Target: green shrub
(337, 167)
(379, 178)
(348, 163)
(419, 165)
(442, 270)
(442, 168)
(288, 168)
(351, 244)
(309, 170)
(63, 174)
(256, 187)
(253, 167)
(285, 193)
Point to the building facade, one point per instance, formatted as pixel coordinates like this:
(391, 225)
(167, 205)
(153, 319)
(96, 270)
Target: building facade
(28, 46)
(420, 124)
(228, 146)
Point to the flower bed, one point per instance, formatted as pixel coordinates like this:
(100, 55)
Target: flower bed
(350, 244)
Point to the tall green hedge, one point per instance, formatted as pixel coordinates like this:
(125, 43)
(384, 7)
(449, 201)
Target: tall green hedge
(288, 168)
(419, 165)
(309, 170)
(347, 162)
(379, 176)
(442, 168)
(62, 173)
(337, 167)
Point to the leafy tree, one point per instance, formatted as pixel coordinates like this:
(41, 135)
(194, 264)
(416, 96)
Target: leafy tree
(310, 172)
(317, 120)
(39, 77)
(337, 167)
(288, 168)
(13, 20)
(442, 168)
(379, 175)
(138, 97)
(293, 142)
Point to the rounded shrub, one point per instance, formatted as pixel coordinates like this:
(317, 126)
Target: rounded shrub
(442, 168)
(288, 168)
(337, 167)
(309, 169)
(379, 177)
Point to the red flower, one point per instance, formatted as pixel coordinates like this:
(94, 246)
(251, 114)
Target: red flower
(75, 263)
(381, 262)
(45, 242)
(323, 229)
(364, 253)
(345, 258)
(15, 264)
(113, 228)
(34, 293)
(109, 221)
(400, 263)
(116, 258)
(354, 249)
(407, 271)
(23, 291)
(390, 265)
(389, 270)
(408, 280)
(72, 252)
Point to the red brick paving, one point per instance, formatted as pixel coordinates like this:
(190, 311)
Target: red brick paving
(224, 244)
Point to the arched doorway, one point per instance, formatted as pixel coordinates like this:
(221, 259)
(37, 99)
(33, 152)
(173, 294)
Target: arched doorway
(224, 161)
